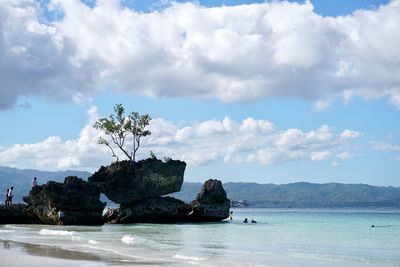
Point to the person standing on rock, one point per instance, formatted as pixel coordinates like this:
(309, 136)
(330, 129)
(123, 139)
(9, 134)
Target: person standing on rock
(6, 201)
(10, 196)
(34, 182)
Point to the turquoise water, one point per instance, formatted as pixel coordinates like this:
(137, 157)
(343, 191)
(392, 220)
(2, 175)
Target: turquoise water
(280, 238)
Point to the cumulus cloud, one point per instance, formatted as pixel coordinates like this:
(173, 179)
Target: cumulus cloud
(205, 142)
(230, 53)
(349, 134)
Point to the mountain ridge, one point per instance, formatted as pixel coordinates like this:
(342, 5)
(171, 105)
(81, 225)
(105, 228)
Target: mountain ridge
(298, 194)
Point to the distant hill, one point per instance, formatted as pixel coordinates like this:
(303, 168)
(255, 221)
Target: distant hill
(303, 194)
(257, 195)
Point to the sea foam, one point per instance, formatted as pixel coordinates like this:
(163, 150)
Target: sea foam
(56, 232)
(93, 242)
(188, 258)
(7, 231)
(128, 239)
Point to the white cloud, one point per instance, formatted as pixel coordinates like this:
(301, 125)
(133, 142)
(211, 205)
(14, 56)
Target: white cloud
(320, 155)
(250, 140)
(322, 105)
(386, 147)
(350, 134)
(230, 53)
(345, 155)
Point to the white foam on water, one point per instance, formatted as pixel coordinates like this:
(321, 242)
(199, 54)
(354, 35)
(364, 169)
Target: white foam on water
(128, 239)
(16, 227)
(93, 242)
(56, 232)
(75, 238)
(7, 231)
(188, 258)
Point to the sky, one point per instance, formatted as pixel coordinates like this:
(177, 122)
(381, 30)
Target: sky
(251, 91)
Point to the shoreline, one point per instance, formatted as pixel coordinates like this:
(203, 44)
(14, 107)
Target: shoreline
(14, 253)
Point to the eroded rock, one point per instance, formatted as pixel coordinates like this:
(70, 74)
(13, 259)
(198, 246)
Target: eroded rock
(154, 210)
(211, 203)
(17, 214)
(127, 182)
(79, 201)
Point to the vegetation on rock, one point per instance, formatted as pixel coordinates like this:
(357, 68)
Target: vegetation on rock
(119, 128)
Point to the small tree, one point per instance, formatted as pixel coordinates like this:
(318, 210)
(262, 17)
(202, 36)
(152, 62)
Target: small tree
(118, 128)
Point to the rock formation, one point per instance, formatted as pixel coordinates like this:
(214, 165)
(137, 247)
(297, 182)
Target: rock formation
(139, 189)
(155, 210)
(210, 205)
(79, 201)
(125, 182)
(16, 214)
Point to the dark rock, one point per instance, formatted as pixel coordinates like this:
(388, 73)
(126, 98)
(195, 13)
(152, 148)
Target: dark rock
(79, 201)
(211, 203)
(127, 182)
(154, 210)
(111, 215)
(17, 214)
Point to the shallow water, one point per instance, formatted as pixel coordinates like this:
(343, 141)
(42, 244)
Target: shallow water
(330, 237)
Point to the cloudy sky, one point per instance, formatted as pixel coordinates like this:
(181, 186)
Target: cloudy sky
(260, 91)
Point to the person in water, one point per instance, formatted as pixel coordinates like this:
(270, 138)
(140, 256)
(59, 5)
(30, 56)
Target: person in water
(253, 221)
(231, 215)
(245, 220)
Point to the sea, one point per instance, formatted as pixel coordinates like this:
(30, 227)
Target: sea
(281, 237)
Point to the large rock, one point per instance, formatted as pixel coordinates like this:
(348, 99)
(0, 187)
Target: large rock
(126, 182)
(79, 201)
(154, 210)
(17, 214)
(211, 203)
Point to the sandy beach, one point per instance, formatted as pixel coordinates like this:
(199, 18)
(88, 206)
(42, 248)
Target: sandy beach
(23, 254)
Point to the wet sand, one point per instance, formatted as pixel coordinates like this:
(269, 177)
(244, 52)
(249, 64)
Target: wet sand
(24, 254)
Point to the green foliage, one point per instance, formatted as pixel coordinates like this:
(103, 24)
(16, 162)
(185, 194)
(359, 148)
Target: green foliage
(119, 127)
(167, 159)
(152, 155)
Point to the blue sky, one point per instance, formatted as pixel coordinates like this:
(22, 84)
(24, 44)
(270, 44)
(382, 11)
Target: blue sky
(272, 92)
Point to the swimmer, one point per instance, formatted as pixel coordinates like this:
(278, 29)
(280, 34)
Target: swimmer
(245, 220)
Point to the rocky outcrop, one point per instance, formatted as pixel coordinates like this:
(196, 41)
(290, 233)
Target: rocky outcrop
(17, 214)
(211, 203)
(127, 182)
(79, 201)
(155, 210)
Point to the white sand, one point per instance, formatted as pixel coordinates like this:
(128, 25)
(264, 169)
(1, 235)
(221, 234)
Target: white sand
(23, 254)
(13, 258)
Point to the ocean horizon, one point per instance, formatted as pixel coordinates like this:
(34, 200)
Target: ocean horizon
(281, 237)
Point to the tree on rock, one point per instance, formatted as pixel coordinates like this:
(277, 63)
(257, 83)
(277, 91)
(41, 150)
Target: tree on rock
(120, 128)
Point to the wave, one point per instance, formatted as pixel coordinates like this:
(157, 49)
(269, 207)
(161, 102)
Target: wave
(7, 231)
(128, 239)
(56, 232)
(188, 258)
(16, 227)
(93, 242)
